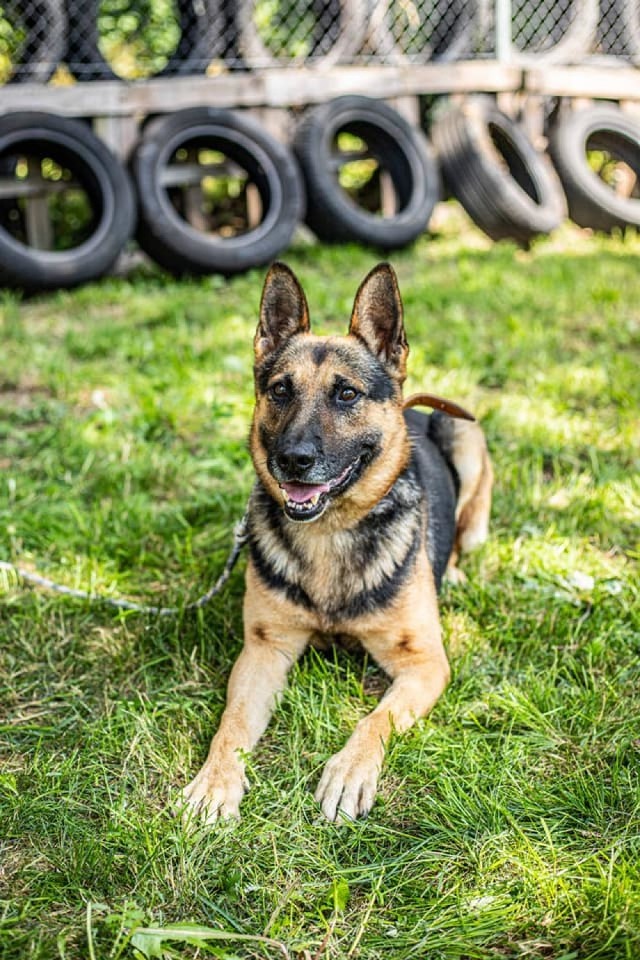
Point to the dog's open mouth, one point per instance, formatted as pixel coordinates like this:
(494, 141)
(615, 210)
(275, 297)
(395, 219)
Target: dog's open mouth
(307, 501)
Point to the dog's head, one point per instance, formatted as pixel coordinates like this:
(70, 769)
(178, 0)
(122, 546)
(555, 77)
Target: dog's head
(328, 429)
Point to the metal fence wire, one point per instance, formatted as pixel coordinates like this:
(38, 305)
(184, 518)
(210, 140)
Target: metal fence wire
(134, 39)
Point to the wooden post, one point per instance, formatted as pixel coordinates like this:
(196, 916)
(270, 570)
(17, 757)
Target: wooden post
(120, 133)
(37, 220)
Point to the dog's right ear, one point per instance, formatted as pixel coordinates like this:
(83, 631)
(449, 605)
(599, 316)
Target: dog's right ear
(283, 310)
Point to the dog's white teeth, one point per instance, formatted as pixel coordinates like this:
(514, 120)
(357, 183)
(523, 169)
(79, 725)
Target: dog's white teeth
(314, 499)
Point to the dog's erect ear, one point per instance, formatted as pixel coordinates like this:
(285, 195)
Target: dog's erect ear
(283, 310)
(377, 318)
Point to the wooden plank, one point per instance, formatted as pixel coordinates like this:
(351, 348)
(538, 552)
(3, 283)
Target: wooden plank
(300, 86)
(37, 223)
(36, 215)
(388, 206)
(120, 132)
(632, 107)
(603, 83)
(194, 199)
(254, 206)
(12, 189)
(408, 107)
(532, 116)
(186, 174)
(266, 88)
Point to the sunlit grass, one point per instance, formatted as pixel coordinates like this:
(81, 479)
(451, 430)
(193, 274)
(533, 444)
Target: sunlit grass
(507, 824)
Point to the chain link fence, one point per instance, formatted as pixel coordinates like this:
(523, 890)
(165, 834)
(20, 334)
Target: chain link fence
(134, 39)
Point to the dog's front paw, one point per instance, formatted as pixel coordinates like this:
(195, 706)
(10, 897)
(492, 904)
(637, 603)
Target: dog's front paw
(215, 793)
(348, 784)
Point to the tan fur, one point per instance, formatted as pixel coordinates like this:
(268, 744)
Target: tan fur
(403, 636)
(358, 500)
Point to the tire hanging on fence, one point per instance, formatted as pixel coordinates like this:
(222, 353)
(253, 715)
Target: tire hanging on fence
(437, 30)
(67, 207)
(603, 191)
(201, 39)
(44, 23)
(509, 189)
(553, 32)
(619, 29)
(631, 29)
(217, 193)
(389, 209)
(337, 33)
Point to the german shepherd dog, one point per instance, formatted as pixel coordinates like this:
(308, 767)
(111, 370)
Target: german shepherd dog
(359, 508)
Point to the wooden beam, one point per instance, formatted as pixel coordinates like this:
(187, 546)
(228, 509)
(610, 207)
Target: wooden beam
(187, 174)
(279, 88)
(598, 82)
(12, 189)
(296, 86)
(36, 215)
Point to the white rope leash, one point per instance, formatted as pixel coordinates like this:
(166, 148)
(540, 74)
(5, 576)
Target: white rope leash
(240, 537)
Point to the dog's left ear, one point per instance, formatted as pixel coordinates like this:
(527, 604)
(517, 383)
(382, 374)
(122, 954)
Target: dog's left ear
(283, 310)
(377, 318)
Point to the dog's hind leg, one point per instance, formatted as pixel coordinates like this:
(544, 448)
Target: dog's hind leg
(470, 458)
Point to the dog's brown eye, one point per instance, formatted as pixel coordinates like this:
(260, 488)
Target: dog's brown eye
(347, 394)
(279, 391)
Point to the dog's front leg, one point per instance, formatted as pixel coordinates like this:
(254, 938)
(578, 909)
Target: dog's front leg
(258, 676)
(420, 671)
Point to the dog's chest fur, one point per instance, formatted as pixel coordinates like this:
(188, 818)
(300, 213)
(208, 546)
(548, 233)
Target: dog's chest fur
(340, 574)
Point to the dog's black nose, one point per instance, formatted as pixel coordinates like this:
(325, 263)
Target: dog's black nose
(296, 459)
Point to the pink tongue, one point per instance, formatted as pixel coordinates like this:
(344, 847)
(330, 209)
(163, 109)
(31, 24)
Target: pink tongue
(302, 492)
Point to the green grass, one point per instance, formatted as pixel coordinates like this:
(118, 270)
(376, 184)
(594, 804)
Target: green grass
(507, 824)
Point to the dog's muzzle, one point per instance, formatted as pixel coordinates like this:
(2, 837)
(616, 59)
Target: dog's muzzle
(308, 501)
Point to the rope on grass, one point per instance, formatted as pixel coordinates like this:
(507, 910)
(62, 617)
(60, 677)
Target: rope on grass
(240, 537)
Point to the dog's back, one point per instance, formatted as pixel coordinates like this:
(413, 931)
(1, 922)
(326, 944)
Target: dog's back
(434, 471)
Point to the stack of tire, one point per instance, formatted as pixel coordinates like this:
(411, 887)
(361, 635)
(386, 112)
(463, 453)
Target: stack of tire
(512, 191)
(486, 160)
(160, 197)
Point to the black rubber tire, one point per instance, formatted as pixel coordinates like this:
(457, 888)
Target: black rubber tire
(84, 58)
(447, 31)
(171, 240)
(399, 148)
(45, 26)
(339, 31)
(555, 33)
(202, 33)
(105, 182)
(591, 202)
(203, 37)
(508, 188)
